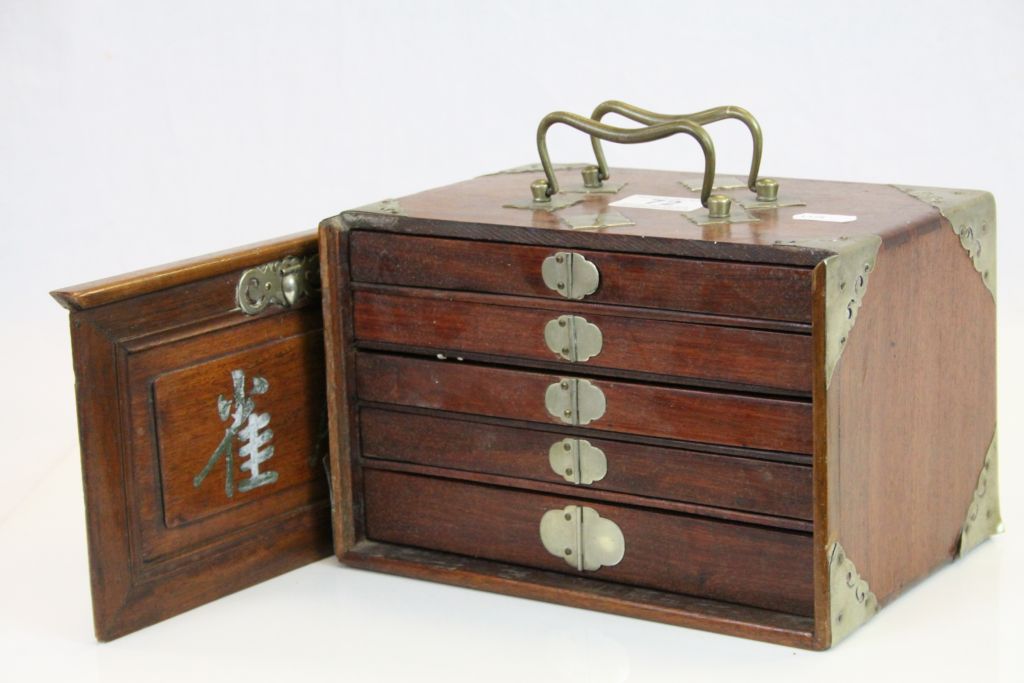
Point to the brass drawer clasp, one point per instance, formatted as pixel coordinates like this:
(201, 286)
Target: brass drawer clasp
(582, 537)
(578, 461)
(575, 401)
(573, 338)
(570, 274)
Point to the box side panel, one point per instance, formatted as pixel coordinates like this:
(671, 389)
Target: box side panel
(911, 410)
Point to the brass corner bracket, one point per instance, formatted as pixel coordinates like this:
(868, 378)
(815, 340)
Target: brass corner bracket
(972, 215)
(386, 206)
(846, 281)
(850, 598)
(983, 519)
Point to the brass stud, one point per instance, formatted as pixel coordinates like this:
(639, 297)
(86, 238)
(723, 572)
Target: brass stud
(767, 190)
(539, 190)
(591, 177)
(719, 206)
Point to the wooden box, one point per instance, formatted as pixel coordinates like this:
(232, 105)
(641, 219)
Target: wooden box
(767, 423)
(765, 428)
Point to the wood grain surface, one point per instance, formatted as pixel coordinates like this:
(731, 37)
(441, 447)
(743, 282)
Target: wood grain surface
(178, 327)
(734, 289)
(474, 210)
(674, 474)
(450, 324)
(732, 562)
(912, 410)
(632, 408)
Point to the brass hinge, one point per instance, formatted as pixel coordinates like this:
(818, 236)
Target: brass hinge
(983, 518)
(286, 282)
(581, 537)
(846, 281)
(850, 598)
(972, 215)
(575, 401)
(578, 461)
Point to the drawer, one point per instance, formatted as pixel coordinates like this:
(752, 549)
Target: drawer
(516, 327)
(631, 408)
(717, 287)
(727, 561)
(735, 483)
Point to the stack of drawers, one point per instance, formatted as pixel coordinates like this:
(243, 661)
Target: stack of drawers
(638, 419)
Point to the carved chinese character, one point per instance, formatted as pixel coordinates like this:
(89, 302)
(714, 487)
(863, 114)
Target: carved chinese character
(251, 430)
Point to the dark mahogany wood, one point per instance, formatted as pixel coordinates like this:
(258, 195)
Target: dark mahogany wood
(912, 410)
(450, 324)
(730, 419)
(770, 292)
(583, 592)
(603, 495)
(152, 352)
(474, 210)
(679, 553)
(702, 478)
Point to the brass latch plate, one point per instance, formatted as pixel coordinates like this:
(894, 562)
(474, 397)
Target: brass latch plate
(575, 401)
(570, 274)
(578, 461)
(581, 537)
(573, 338)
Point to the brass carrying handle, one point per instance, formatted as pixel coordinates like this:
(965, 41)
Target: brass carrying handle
(703, 118)
(543, 190)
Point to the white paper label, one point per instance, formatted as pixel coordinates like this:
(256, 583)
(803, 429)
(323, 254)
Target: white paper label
(650, 201)
(825, 217)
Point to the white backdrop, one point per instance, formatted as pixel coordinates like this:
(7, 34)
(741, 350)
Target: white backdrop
(135, 133)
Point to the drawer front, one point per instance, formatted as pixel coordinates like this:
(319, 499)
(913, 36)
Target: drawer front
(717, 287)
(671, 552)
(441, 322)
(760, 486)
(629, 408)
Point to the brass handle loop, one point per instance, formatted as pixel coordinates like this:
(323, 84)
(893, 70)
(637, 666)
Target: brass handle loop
(626, 136)
(702, 118)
